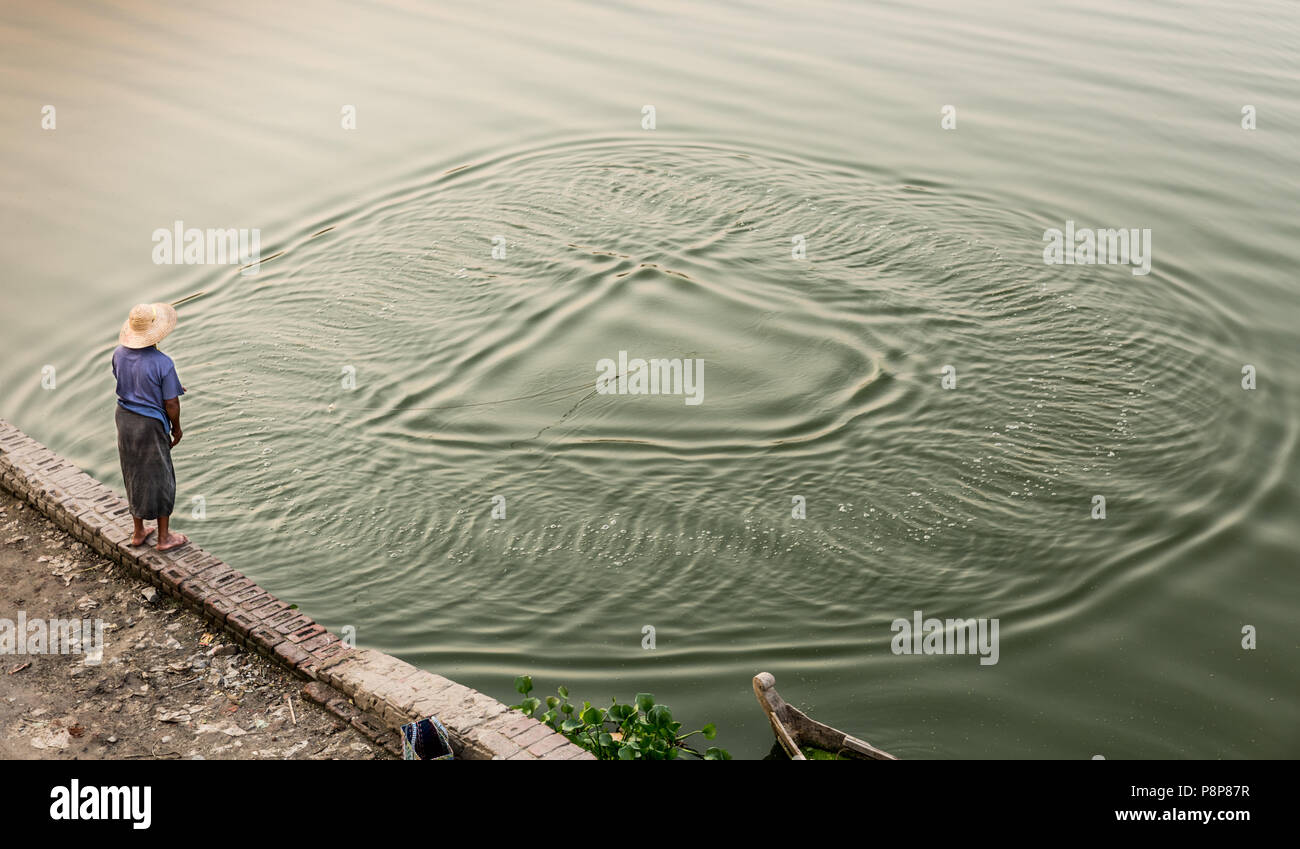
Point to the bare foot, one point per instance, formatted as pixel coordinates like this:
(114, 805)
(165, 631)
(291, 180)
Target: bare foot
(138, 539)
(173, 540)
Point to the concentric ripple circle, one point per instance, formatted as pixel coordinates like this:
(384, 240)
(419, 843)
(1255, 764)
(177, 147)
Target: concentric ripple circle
(825, 300)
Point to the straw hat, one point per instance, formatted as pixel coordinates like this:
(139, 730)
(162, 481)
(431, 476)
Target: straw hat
(147, 325)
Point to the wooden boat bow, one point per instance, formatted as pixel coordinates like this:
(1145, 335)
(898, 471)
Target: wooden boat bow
(794, 729)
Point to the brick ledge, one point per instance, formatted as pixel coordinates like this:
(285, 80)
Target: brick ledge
(385, 690)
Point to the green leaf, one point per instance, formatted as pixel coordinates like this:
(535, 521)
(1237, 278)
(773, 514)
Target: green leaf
(647, 730)
(660, 716)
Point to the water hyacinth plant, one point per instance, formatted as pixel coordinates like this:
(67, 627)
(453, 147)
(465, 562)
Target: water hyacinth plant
(641, 731)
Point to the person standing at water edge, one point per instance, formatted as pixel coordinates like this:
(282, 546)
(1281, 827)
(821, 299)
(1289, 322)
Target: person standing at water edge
(148, 420)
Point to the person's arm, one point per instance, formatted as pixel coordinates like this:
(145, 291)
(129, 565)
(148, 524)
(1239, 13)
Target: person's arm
(172, 392)
(172, 406)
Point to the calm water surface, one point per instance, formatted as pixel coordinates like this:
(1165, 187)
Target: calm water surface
(371, 507)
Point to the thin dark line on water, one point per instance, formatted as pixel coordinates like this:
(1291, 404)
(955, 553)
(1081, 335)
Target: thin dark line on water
(556, 423)
(251, 264)
(559, 392)
(556, 392)
(262, 260)
(188, 298)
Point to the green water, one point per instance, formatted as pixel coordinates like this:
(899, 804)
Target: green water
(371, 507)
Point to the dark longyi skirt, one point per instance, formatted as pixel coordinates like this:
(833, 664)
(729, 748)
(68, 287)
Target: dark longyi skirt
(145, 450)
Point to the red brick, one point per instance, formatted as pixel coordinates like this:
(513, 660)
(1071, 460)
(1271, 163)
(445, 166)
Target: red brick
(149, 560)
(113, 532)
(331, 652)
(257, 602)
(267, 638)
(318, 642)
(194, 591)
(173, 576)
(218, 606)
(211, 571)
(247, 594)
(288, 626)
(241, 621)
(265, 612)
(286, 615)
(290, 654)
(189, 557)
(306, 633)
(229, 585)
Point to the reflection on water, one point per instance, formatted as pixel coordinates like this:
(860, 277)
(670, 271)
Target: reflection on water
(423, 349)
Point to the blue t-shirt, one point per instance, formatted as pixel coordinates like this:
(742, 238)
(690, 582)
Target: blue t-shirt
(145, 378)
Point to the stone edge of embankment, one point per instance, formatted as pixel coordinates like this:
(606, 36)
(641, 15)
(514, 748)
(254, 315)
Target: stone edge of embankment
(389, 691)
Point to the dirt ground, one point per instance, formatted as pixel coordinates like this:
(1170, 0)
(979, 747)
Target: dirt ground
(163, 688)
